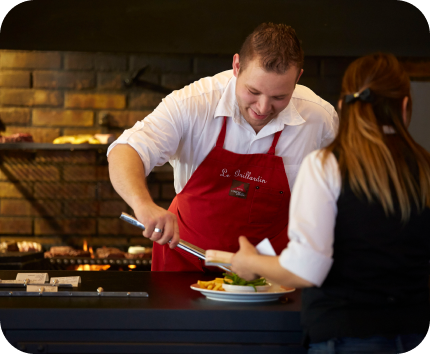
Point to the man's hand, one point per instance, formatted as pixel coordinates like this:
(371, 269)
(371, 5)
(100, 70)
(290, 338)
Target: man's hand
(155, 219)
(242, 260)
(127, 174)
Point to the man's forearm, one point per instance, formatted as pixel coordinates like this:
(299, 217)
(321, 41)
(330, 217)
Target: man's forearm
(127, 174)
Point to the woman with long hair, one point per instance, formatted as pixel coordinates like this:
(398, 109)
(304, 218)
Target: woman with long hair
(360, 223)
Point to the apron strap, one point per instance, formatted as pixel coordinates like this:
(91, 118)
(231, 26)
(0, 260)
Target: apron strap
(221, 136)
(274, 143)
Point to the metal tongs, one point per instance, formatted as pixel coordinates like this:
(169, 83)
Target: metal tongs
(184, 245)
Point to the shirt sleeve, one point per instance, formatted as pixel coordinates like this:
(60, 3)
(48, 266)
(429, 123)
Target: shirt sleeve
(313, 210)
(156, 138)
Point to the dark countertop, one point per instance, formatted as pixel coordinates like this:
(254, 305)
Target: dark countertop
(171, 308)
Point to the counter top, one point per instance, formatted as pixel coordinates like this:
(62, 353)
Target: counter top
(172, 308)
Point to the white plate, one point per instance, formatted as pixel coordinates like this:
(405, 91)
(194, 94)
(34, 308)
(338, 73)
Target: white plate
(272, 295)
(246, 289)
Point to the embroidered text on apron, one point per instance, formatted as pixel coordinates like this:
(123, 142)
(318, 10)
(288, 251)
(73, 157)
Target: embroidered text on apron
(229, 195)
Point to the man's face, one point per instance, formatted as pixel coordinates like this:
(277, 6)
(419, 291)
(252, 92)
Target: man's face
(261, 95)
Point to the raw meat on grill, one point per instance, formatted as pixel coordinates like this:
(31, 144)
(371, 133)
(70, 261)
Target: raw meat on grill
(109, 252)
(17, 138)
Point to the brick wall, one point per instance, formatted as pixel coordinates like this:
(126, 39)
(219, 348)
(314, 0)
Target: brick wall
(49, 94)
(65, 196)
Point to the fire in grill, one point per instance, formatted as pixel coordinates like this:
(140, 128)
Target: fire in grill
(103, 258)
(29, 255)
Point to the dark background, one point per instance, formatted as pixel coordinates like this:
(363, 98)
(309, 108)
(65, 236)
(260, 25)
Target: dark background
(63, 64)
(328, 28)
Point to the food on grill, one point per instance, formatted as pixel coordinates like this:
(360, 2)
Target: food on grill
(103, 252)
(137, 250)
(29, 246)
(105, 138)
(77, 139)
(20, 246)
(9, 246)
(17, 138)
(66, 251)
(138, 256)
(109, 252)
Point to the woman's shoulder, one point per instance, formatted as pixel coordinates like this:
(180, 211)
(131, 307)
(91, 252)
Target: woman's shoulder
(321, 158)
(321, 167)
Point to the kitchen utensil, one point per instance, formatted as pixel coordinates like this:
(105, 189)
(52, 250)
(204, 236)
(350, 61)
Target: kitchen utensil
(184, 245)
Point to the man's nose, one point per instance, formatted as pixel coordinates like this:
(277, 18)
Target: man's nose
(263, 106)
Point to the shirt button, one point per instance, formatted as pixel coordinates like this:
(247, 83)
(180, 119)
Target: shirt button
(257, 187)
(281, 192)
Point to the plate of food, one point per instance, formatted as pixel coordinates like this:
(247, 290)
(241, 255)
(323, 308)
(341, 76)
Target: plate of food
(231, 288)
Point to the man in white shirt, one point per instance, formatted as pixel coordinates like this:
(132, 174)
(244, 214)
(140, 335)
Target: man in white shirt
(235, 141)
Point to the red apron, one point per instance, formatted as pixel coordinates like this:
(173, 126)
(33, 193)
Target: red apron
(229, 195)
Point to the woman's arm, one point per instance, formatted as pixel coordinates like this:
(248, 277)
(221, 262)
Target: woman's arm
(308, 258)
(248, 264)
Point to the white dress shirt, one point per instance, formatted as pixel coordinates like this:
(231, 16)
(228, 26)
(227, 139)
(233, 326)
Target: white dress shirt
(184, 128)
(312, 217)
(313, 211)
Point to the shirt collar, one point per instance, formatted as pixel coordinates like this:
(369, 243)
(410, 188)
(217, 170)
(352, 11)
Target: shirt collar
(227, 106)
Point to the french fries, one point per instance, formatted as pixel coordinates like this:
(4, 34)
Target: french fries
(215, 284)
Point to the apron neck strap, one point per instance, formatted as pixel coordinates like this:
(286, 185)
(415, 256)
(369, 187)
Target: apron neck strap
(221, 136)
(274, 143)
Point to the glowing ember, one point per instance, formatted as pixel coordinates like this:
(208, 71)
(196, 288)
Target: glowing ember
(132, 266)
(92, 252)
(85, 248)
(93, 267)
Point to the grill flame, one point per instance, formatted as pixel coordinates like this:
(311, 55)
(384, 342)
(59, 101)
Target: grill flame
(93, 267)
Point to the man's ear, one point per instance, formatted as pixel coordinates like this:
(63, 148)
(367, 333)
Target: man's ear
(236, 65)
(298, 77)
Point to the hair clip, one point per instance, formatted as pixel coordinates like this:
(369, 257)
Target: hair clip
(365, 96)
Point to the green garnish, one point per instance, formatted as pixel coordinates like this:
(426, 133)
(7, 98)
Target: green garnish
(236, 280)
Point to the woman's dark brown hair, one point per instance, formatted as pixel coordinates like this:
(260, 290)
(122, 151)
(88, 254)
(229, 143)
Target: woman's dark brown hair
(373, 165)
(275, 45)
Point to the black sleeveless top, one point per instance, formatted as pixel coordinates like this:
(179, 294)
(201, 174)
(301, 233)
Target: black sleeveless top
(379, 280)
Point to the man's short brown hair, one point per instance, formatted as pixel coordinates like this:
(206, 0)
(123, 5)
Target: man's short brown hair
(275, 45)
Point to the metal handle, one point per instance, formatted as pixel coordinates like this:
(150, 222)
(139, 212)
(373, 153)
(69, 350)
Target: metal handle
(184, 245)
(132, 220)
